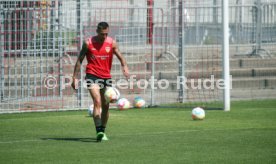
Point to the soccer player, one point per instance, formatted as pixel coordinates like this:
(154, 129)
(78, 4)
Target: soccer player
(99, 52)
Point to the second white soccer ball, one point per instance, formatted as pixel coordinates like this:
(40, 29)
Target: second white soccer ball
(123, 103)
(198, 113)
(90, 110)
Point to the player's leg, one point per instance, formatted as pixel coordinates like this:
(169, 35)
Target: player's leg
(105, 108)
(105, 111)
(94, 91)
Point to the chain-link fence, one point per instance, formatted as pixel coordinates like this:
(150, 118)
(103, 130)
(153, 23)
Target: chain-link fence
(162, 42)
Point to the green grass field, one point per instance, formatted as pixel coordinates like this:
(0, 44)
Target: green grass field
(246, 134)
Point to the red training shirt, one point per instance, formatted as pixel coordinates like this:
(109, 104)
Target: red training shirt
(99, 57)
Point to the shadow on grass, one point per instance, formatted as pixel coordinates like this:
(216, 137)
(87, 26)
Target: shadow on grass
(76, 139)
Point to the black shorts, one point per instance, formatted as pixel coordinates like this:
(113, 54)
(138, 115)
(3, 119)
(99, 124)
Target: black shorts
(92, 79)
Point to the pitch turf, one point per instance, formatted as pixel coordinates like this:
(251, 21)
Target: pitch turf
(246, 134)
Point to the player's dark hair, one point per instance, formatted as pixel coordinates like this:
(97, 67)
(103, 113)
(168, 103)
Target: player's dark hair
(102, 26)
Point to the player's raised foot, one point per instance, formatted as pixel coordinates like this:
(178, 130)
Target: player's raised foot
(104, 138)
(100, 136)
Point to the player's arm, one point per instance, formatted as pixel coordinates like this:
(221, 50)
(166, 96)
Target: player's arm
(121, 59)
(78, 64)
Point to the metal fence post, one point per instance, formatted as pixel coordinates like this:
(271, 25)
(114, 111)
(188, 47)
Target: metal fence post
(225, 53)
(80, 39)
(181, 55)
(259, 26)
(151, 40)
(60, 51)
(2, 54)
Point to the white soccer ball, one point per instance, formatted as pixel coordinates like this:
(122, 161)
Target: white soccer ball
(198, 113)
(139, 102)
(123, 104)
(111, 94)
(90, 110)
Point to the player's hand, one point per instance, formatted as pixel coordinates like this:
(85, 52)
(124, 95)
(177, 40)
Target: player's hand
(74, 82)
(125, 71)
